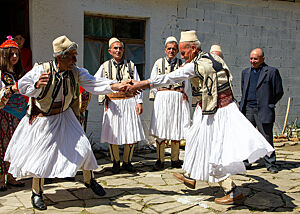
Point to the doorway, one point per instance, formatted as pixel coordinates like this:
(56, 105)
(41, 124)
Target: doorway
(14, 19)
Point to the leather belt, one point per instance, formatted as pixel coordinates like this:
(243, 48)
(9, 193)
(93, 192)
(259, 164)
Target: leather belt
(56, 109)
(36, 112)
(179, 89)
(119, 96)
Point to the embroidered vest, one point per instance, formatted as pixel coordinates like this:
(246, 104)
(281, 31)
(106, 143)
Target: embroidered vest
(16, 105)
(68, 80)
(212, 81)
(164, 67)
(111, 72)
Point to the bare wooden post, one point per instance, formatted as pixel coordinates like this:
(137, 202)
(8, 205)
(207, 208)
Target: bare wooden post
(286, 115)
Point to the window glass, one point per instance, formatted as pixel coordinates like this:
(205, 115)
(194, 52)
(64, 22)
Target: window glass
(97, 26)
(107, 56)
(129, 29)
(92, 53)
(135, 52)
(98, 30)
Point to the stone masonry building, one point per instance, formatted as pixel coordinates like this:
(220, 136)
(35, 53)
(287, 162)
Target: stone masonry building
(237, 25)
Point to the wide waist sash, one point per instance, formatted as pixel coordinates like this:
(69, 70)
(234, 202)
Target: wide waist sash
(224, 99)
(119, 96)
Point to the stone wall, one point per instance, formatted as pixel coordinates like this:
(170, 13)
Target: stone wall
(240, 26)
(237, 25)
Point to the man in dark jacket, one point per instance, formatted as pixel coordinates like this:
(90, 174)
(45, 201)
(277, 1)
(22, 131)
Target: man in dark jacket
(261, 90)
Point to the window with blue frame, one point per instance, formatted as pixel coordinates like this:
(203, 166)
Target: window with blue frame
(99, 29)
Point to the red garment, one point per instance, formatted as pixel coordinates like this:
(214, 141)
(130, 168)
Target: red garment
(81, 89)
(26, 58)
(8, 124)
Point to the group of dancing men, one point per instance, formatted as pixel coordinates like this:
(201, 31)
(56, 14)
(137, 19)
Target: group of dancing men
(49, 141)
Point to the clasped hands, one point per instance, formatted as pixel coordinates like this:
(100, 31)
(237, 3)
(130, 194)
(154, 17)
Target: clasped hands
(131, 87)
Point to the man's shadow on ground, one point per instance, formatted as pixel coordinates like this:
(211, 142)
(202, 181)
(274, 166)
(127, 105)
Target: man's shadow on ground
(260, 196)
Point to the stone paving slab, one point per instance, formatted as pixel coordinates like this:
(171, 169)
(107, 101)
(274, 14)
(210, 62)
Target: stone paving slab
(159, 192)
(59, 194)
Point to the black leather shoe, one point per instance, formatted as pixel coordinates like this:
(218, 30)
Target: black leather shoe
(176, 164)
(48, 181)
(158, 165)
(128, 167)
(248, 167)
(273, 169)
(116, 167)
(97, 188)
(38, 202)
(3, 188)
(70, 178)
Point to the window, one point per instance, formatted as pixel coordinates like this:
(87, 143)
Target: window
(99, 29)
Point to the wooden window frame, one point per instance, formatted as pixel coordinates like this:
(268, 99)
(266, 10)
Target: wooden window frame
(124, 40)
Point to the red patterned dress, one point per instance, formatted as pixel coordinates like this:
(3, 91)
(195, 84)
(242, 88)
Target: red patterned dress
(8, 125)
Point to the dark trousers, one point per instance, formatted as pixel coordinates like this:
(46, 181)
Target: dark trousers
(266, 129)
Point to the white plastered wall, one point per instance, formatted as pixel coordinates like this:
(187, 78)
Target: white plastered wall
(50, 19)
(237, 25)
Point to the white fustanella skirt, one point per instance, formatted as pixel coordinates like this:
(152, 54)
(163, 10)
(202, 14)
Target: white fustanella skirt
(217, 144)
(121, 124)
(170, 116)
(53, 146)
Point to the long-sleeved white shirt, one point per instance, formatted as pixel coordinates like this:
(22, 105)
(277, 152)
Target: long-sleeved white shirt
(179, 75)
(154, 74)
(86, 80)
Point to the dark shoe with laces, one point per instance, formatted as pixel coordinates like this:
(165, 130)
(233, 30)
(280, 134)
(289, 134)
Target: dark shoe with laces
(38, 202)
(97, 188)
(128, 167)
(158, 165)
(273, 169)
(176, 164)
(116, 167)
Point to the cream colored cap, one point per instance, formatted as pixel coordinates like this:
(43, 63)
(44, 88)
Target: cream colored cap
(215, 48)
(170, 39)
(62, 43)
(188, 36)
(112, 40)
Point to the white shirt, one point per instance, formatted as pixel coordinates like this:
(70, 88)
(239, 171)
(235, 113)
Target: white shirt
(86, 80)
(154, 74)
(179, 75)
(100, 74)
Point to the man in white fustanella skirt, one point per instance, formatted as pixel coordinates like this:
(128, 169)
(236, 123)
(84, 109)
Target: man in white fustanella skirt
(220, 137)
(49, 141)
(171, 112)
(121, 123)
